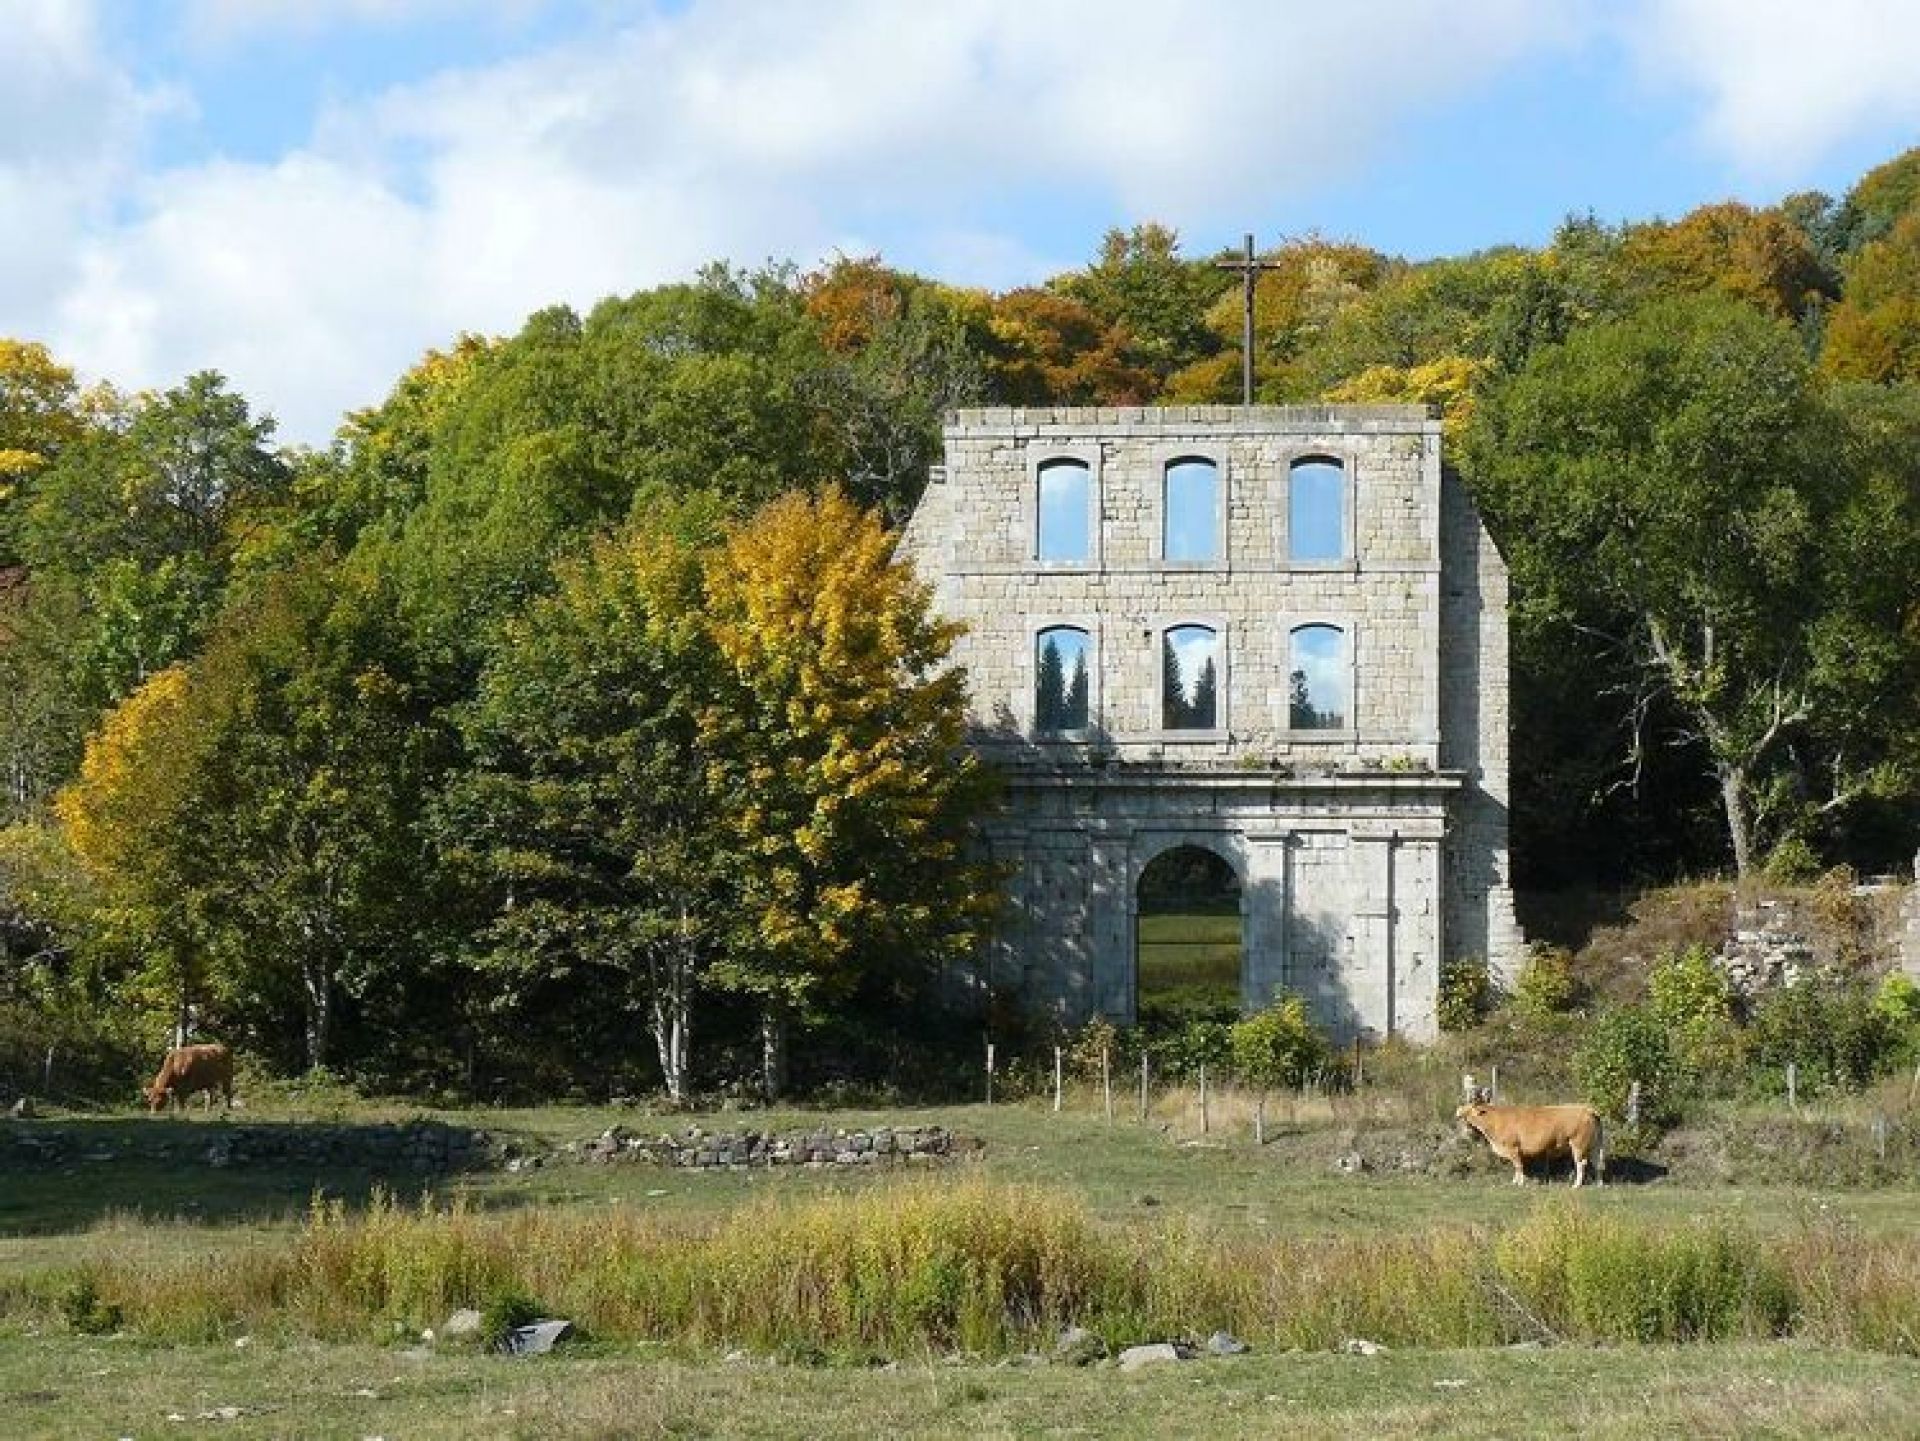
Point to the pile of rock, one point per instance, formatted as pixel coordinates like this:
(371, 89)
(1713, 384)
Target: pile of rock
(695, 1148)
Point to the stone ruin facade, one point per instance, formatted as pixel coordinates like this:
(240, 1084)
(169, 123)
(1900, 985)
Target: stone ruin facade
(1276, 634)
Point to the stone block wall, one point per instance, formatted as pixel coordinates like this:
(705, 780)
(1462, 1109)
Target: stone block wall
(1364, 854)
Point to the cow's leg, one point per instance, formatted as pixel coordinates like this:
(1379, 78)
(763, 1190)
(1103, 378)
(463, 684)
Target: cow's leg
(1579, 1170)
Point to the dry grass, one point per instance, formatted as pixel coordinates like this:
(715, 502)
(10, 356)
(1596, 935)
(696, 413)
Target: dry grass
(991, 1269)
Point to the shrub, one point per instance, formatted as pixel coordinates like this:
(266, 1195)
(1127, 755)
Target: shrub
(1546, 987)
(507, 1308)
(1467, 993)
(1690, 996)
(1279, 1046)
(1897, 1004)
(1624, 1045)
(85, 1311)
(1828, 1030)
(1197, 1043)
(1792, 862)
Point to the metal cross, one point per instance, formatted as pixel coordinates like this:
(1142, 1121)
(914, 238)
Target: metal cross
(1249, 269)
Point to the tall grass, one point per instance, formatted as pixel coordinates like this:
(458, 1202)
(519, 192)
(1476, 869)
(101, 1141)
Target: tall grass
(990, 1269)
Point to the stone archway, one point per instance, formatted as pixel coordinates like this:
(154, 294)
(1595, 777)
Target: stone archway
(1190, 934)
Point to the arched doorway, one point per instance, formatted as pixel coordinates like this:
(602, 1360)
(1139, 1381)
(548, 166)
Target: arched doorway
(1189, 940)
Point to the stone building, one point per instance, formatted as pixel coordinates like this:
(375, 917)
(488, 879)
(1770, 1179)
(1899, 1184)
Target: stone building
(1273, 636)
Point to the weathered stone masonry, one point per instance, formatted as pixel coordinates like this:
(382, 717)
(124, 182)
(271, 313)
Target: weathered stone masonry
(1364, 853)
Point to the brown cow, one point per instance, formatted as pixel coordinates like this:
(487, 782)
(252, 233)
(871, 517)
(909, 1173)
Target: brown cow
(1531, 1133)
(192, 1068)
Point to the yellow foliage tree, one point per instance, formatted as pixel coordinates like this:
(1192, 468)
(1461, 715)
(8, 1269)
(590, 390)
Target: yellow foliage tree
(130, 819)
(1447, 383)
(37, 410)
(841, 751)
(1874, 332)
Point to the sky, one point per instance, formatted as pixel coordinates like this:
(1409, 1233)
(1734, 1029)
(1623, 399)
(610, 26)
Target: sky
(306, 195)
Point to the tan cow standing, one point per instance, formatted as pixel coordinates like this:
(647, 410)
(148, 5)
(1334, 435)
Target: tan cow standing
(1534, 1133)
(188, 1069)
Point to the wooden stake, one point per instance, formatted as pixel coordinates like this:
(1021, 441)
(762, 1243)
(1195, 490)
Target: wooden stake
(1106, 1080)
(1493, 1086)
(1143, 1085)
(1203, 1098)
(1793, 1086)
(1059, 1074)
(1260, 1118)
(1633, 1104)
(989, 1073)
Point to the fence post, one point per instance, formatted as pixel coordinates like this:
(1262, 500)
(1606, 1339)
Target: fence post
(1493, 1086)
(1260, 1118)
(1203, 1098)
(1793, 1086)
(1880, 1135)
(1143, 1085)
(1633, 1104)
(1106, 1080)
(989, 1073)
(1058, 1079)
(1467, 1093)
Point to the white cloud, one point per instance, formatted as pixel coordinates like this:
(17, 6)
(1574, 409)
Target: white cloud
(730, 128)
(1784, 81)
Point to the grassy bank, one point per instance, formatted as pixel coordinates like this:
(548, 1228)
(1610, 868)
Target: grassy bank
(975, 1266)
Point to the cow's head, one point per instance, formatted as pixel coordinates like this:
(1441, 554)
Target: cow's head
(156, 1096)
(1471, 1114)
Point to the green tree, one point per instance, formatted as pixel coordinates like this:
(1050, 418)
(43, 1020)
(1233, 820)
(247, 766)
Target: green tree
(588, 804)
(1143, 285)
(1678, 468)
(1277, 1046)
(1050, 689)
(841, 743)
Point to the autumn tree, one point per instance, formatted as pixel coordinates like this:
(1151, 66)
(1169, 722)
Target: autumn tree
(39, 416)
(840, 745)
(132, 819)
(1759, 256)
(1142, 284)
(1874, 332)
(1049, 349)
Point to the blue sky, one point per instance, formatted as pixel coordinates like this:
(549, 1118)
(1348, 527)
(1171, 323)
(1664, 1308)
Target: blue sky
(306, 194)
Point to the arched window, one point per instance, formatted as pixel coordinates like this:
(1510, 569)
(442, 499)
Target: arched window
(1317, 509)
(1062, 658)
(1190, 510)
(1320, 677)
(1063, 533)
(1190, 665)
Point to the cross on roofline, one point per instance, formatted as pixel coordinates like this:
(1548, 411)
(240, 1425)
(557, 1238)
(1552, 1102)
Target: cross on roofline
(1249, 269)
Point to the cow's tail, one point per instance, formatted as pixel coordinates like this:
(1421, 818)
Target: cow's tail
(1599, 1149)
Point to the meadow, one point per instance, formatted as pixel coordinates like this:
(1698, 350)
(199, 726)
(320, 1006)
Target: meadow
(278, 1301)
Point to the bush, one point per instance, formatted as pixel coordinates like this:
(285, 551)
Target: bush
(1467, 993)
(1279, 1046)
(1198, 1043)
(84, 1310)
(1829, 1030)
(1546, 987)
(507, 1309)
(1624, 1045)
(1690, 996)
(1897, 1004)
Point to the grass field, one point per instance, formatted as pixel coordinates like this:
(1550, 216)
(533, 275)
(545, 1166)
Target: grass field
(1131, 1178)
(1190, 960)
